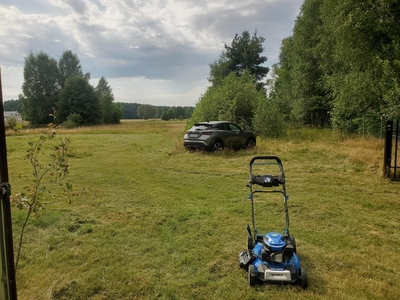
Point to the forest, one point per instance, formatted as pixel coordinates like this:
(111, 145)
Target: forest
(341, 66)
(339, 69)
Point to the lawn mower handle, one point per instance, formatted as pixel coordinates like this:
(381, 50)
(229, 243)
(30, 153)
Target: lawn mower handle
(271, 157)
(279, 163)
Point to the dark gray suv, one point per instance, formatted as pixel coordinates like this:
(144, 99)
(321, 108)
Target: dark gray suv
(217, 135)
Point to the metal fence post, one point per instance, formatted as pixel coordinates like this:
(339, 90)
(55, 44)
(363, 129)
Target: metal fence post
(396, 151)
(387, 155)
(8, 287)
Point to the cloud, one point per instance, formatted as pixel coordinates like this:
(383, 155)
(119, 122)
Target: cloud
(163, 43)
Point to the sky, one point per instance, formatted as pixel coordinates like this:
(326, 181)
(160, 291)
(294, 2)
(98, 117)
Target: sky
(150, 51)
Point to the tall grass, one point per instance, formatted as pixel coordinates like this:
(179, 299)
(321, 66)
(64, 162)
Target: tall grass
(150, 220)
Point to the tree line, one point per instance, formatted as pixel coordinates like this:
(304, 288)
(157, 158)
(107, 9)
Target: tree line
(61, 86)
(131, 110)
(148, 111)
(341, 66)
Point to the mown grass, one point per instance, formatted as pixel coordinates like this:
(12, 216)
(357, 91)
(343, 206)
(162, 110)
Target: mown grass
(150, 220)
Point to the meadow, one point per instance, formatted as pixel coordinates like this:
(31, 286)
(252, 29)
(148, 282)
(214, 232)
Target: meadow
(149, 220)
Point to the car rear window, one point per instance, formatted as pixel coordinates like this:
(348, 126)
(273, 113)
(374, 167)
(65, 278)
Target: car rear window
(201, 126)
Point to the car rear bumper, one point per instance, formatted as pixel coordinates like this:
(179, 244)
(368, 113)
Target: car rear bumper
(188, 144)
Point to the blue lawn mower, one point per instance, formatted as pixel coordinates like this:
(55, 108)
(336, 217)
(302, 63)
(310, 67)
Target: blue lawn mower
(271, 257)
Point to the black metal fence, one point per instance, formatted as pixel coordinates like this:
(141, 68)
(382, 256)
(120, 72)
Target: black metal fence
(391, 161)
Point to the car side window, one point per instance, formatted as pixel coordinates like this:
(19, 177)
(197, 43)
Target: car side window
(233, 127)
(222, 127)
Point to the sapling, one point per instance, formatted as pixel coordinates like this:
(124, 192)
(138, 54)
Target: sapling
(49, 164)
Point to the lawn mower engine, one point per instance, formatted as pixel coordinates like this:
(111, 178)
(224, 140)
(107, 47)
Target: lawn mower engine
(274, 248)
(272, 258)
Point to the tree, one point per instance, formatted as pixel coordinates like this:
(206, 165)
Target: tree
(171, 114)
(146, 111)
(342, 65)
(164, 116)
(106, 98)
(69, 66)
(189, 112)
(64, 86)
(299, 84)
(40, 87)
(281, 84)
(219, 69)
(310, 104)
(244, 53)
(365, 61)
(179, 112)
(236, 83)
(236, 99)
(268, 119)
(78, 97)
(117, 114)
(48, 158)
(13, 105)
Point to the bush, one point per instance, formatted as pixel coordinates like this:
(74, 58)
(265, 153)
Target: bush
(268, 119)
(12, 122)
(236, 100)
(73, 121)
(18, 126)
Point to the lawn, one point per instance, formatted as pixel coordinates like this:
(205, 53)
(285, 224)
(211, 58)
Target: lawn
(149, 220)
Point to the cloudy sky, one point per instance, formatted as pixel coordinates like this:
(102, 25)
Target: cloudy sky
(150, 51)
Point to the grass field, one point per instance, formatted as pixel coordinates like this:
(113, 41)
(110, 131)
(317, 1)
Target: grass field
(152, 221)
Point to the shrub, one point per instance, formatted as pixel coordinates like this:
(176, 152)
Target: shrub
(268, 119)
(12, 122)
(73, 120)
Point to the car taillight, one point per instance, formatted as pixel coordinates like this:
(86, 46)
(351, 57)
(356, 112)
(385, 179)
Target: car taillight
(206, 132)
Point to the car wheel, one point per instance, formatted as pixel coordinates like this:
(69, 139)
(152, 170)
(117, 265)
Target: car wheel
(251, 143)
(252, 276)
(217, 146)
